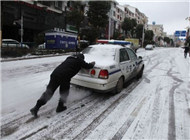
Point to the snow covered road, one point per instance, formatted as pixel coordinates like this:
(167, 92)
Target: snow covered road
(154, 107)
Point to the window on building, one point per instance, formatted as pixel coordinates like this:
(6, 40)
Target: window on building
(114, 5)
(47, 3)
(114, 13)
(56, 3)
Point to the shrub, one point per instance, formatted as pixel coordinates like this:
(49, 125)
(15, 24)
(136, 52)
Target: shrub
(14, 52)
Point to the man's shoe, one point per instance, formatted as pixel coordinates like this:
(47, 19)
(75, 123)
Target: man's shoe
(60, 109)
(34, 112)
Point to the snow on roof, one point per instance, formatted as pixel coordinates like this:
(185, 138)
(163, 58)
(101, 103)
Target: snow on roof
(106, 46)
(131, 8)
(121, 7)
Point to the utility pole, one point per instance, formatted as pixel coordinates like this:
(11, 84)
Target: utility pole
(0, 27)
(22, 31)
(143, 36)
(109, 26)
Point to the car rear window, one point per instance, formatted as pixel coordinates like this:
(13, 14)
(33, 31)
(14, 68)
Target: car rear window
(99, 51)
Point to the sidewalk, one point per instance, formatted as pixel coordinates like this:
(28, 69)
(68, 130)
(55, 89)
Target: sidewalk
(33, 57)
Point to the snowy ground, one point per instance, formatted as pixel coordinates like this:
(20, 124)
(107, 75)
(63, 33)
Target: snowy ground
(155, 107)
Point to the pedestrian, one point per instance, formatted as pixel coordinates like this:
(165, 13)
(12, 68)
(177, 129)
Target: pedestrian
(186, 51)
(61, 76)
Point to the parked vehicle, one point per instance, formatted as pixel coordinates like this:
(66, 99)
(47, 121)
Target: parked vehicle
(115, 65)
(149, 47)
(13, 43)
(60, 40)
(42, 46)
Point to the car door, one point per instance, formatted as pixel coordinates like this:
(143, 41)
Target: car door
(124, 63)
(133, 61)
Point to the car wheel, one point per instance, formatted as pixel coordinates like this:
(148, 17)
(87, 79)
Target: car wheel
(119, 85)
(140, 74)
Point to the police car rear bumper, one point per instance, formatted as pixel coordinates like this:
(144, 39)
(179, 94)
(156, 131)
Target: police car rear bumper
(100, 85)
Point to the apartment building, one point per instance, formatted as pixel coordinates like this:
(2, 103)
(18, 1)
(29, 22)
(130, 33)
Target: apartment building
(134, 13)
(157, 29)
(127, 11)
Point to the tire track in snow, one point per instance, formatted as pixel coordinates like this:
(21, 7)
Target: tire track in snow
(171, 127)
(129, 121)
(61, 122)
(92, 126)
(27, 136)
(121, 132)
(11, 127)
(106, 112)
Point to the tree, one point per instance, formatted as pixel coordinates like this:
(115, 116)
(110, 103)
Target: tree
(171, 42)
(76, 15)
(167, 40)
(97, 14)
(149, 35)
(127, 26)
(97, 17)
(133, 26)
(139, 31)
(160, 38)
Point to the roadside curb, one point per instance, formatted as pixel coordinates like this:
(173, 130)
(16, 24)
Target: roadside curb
(34, 57)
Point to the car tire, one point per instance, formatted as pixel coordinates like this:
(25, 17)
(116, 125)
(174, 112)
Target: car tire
(119, 85)
(140, 74)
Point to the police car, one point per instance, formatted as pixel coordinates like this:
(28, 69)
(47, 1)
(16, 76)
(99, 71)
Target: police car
(115, 65)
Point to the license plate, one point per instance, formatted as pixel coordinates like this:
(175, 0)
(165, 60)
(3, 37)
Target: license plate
(84, 71)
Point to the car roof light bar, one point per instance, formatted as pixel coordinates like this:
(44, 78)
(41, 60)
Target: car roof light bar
(118, 42)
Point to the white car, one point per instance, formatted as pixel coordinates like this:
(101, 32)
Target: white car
(13, 43)
(149, 47)
(42, 46)
(115, 65)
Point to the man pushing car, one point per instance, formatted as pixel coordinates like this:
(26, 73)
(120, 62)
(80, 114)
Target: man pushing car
(61, 76)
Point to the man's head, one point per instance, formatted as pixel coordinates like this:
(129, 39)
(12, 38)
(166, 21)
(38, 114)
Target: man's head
(80, 56)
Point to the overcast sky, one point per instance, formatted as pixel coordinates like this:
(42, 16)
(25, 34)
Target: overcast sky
(170, 13)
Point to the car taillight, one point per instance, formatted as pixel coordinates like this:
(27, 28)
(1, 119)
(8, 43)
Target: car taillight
(93, 72)
(103, 74)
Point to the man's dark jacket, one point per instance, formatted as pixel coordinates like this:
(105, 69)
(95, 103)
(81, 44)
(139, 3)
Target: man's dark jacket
(186, 49)
(71, 66)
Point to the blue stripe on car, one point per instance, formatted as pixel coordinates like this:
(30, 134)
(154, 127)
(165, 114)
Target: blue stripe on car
(114, 71)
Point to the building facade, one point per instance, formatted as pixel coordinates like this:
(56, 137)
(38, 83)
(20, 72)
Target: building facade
(157, 29)
(127, 11)
(41, 16)
(38, 16)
